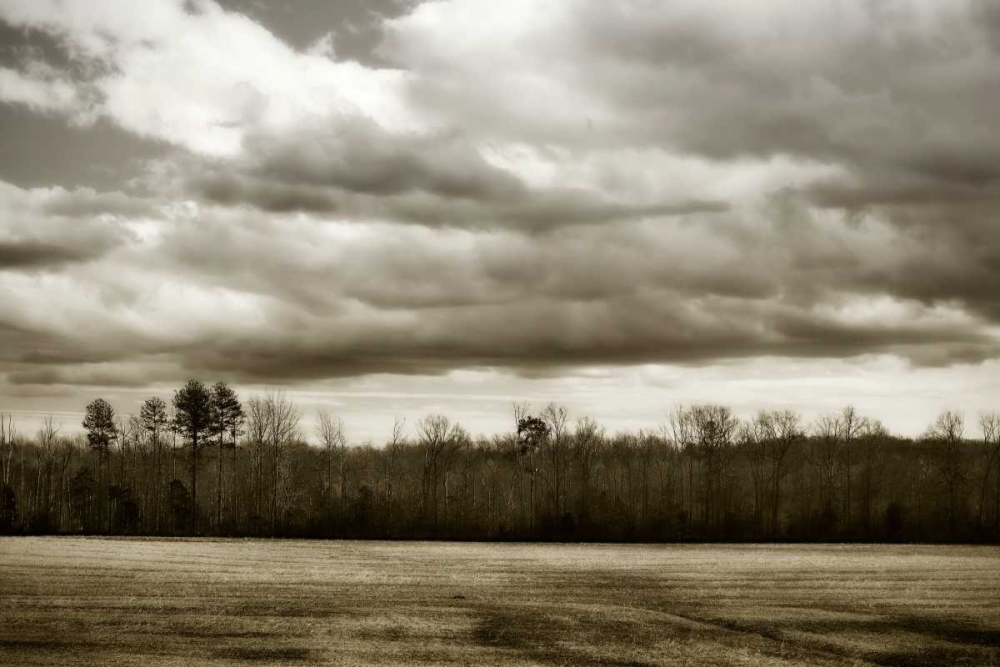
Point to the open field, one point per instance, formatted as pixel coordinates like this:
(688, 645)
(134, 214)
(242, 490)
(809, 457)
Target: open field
(226, 602)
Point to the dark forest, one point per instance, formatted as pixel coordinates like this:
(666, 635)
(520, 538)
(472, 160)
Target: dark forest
(212, 465)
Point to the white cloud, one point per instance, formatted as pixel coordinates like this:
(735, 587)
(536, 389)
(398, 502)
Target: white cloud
(40, 92)
(199, 80)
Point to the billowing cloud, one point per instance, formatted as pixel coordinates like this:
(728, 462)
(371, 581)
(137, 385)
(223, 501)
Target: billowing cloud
(193, 74)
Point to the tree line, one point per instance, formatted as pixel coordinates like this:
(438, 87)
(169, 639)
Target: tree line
(209, 464)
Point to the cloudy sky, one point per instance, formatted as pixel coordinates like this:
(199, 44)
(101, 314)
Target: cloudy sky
(396, 207)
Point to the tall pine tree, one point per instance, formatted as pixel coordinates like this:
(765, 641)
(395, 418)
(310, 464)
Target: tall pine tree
(193, 404)
(99, 421)
(227, 415)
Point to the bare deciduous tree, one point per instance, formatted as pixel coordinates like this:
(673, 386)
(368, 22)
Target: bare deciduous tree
(947, 431)
(272, 423)
(8, 438)
(332, 438)
(441, 441)
(990, 424)
(556, 451)
(708, 476)
(851, 425)
(587, 439)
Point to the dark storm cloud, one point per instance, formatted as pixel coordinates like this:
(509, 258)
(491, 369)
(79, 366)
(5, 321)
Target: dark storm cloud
(428, 303)
(411, 268)
(641, 329)
(525, 209)
(42, 150)
(18, 340)
(33, 348)
(31, 254)
(356, 155)
(355, 25)
(313, 168)
(133, 374)
(356, 168)
(871, 82)
(867, 85)
(542, 211)
(987, 14)
(896, 193)
(234, 190)
(87, 202)
(55, 229)
(958, 270)
(23, 47)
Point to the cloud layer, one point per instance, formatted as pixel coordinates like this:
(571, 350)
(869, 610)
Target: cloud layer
(529, 188)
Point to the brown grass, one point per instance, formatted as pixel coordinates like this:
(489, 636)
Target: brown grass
(247, 602)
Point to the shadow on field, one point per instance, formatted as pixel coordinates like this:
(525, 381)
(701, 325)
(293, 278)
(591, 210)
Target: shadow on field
(263, 654)
(389, 634)
(562, 639)
(614, 636)
(200, 633)
(965, 644)
(47, 645)
(942, 629)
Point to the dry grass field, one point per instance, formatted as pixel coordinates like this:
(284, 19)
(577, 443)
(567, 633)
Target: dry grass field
(84, 601)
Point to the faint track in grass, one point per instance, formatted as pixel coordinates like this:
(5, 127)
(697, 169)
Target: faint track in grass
(217, 603)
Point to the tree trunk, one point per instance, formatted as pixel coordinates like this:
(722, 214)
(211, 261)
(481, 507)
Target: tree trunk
(194, 481)
(218, 490)
(847, 508)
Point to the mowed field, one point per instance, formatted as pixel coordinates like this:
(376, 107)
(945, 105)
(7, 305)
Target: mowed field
(90, 601)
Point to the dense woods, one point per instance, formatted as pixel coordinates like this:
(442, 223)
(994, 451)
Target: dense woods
(210, 464)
